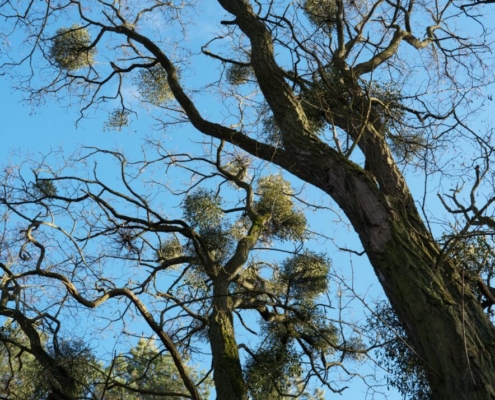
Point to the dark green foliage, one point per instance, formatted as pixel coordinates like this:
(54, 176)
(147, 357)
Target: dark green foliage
(319, 99)
(305, 276)
(145, 367)
(307, 323)
(322, 13)
(328, 99)
(354, 348)
(311, 102)
(78, 360)
(70, 50)
(322, 337)
(405, 372)
(473, 253)
(386, 105)
(273, 373)
(475, 256)
(238, 166)
(218, 241)
(271, 131)
(276, 366)
(269, 373)
(170, 249)
(117, 119)
(23, 378)
(405, 145)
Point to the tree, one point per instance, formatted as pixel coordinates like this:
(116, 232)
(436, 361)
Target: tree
(474, 251)
(24, 377)
(143, 369)
(136, 376)
(85, 241)
(327, 92)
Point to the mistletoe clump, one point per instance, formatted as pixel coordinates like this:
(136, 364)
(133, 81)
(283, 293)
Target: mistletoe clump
(71, 48)
(238, 74)
(286, 221)
(153, 85)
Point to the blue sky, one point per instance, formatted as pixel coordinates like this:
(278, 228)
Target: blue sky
(25, 130)
(49, 127)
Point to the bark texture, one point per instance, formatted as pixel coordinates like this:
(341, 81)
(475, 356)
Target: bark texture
(227, 371)
(450, 332)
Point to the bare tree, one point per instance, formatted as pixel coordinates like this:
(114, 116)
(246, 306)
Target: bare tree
(341, 94)
(83, 244)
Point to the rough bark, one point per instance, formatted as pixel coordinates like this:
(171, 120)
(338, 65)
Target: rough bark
(227, 371)
(449, 330)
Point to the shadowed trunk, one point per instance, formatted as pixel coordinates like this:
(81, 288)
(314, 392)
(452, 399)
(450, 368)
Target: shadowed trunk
(227, 372)
(448, 328)
(450, 333)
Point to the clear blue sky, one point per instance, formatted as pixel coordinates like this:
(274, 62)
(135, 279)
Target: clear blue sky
(50, 127)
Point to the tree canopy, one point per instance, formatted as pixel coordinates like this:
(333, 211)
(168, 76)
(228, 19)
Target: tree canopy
(356, 98)
(84, 244)
(144, 373)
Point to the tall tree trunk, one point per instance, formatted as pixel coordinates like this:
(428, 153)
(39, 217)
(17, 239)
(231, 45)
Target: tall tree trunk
(448, 328)
(227, 371)
(449, 331)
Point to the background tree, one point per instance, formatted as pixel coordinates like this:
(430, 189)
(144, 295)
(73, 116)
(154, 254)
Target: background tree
(130, 376)
(333, 98)
(143, 374)
(24, 377)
